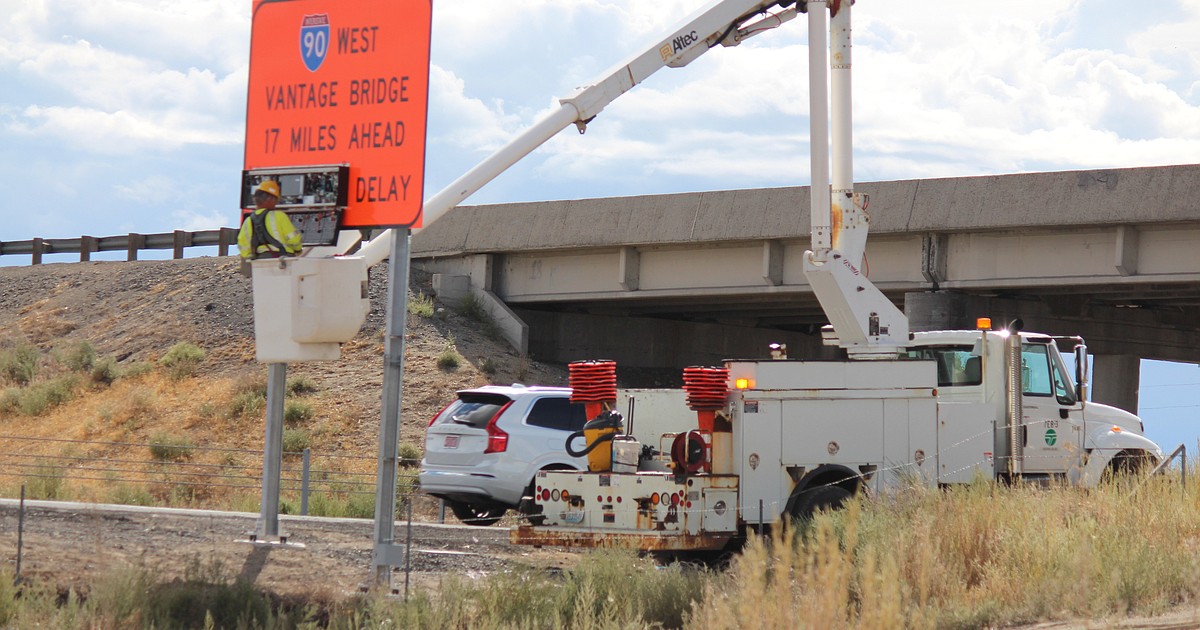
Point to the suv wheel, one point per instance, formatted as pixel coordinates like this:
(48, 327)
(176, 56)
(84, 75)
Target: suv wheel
(479, 515)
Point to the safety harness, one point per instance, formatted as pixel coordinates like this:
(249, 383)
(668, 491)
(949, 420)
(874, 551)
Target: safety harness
(260, 235)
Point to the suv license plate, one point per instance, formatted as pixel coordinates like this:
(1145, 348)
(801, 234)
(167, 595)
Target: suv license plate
(451, 441)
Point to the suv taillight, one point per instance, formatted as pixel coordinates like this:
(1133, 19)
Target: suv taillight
(497, 437)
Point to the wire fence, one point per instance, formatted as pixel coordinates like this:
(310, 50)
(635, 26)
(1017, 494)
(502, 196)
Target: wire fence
(316, 483)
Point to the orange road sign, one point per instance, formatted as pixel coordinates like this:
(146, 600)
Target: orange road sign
(344, 82)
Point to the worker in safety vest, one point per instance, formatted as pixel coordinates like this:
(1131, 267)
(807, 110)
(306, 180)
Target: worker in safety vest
(267, 232)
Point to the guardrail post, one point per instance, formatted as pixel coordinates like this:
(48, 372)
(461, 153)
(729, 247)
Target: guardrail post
(307, 457)
(37, 247)
(87, 245)
(135, 242)
(227, 237)
(181, 240)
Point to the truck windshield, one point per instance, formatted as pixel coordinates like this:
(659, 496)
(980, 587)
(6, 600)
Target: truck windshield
(955, 364)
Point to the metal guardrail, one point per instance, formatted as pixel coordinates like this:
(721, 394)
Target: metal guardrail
(131, 244)
(1180, 452)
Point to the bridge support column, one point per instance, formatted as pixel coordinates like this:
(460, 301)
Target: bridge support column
(1115, 380)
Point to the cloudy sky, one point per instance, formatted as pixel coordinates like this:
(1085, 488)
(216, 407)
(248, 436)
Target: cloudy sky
(128, 115)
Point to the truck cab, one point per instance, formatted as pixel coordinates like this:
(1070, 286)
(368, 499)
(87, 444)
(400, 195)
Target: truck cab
(1058, 433)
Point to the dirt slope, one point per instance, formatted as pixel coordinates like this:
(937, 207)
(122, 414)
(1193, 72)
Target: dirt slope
(135, 311)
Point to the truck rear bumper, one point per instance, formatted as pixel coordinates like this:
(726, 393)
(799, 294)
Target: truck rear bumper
(539, 536)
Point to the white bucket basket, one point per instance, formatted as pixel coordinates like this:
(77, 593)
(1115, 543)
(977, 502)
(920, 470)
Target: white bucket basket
(305, 308)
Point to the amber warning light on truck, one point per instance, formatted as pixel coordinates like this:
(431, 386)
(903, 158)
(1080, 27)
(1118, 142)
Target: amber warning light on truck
(344, 83)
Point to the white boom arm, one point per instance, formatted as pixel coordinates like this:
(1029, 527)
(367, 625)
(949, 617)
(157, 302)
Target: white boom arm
(723, 22)
(864, 320)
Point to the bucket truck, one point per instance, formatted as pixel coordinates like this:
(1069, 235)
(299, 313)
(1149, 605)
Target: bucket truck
(777, 438)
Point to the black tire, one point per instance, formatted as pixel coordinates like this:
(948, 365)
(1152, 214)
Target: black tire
(821, 498)
(1131, 464)
(478, 515)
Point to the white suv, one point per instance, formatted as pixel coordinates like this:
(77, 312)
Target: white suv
(484, 449)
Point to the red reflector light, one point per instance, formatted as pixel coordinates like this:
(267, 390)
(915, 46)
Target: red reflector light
(599, 498)
(618, 499)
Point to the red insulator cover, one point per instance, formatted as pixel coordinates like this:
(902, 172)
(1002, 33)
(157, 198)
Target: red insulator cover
(593, 381)
(707, 387)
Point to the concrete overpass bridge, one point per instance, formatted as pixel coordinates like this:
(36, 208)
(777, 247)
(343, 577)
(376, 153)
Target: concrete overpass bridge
(692, 278)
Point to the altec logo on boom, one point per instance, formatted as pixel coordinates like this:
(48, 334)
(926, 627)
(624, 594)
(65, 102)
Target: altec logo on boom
(678, 45)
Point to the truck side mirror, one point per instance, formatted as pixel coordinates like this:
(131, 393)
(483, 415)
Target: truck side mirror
(1081, 372)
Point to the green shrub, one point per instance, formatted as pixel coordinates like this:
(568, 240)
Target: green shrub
(20, 364)
(182, 359)
(81, 358)
(344, 505)
(247, 404)
(10, 400)
(46, 481)
(489, 366)
(472, 308)
(105, 371)
(206, 410)
(300, 386)
(449, 359)
(41, 398)
(166, 447)
(295, 441)
(410, 455)
(420, 305)
(297, 411)
(136, 369)
(124, 494)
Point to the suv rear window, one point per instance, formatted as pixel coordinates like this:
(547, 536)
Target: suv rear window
(473, 409)
(557, 413)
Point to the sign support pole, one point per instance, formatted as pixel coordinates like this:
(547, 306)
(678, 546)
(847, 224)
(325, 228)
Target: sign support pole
(386, 554)
(268, 520)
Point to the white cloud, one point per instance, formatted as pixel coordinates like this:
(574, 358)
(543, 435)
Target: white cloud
(942, 87)
(194, 222)
(119, 132)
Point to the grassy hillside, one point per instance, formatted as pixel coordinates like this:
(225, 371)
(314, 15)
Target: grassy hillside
(93, 407)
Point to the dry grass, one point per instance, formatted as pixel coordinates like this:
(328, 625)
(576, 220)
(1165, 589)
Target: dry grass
(975, 556)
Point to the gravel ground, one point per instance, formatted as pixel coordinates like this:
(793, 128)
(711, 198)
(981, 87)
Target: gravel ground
(74, 544)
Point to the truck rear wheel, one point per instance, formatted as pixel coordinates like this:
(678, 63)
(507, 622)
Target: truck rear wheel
(822, 498)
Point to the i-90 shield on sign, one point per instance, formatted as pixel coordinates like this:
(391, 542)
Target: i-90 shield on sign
(314, 40)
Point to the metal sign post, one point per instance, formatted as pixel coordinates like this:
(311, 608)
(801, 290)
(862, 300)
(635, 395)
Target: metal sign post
(268, 519)
(387, 554)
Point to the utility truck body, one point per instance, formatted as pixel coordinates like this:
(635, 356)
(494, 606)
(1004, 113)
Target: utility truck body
(799, 436)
